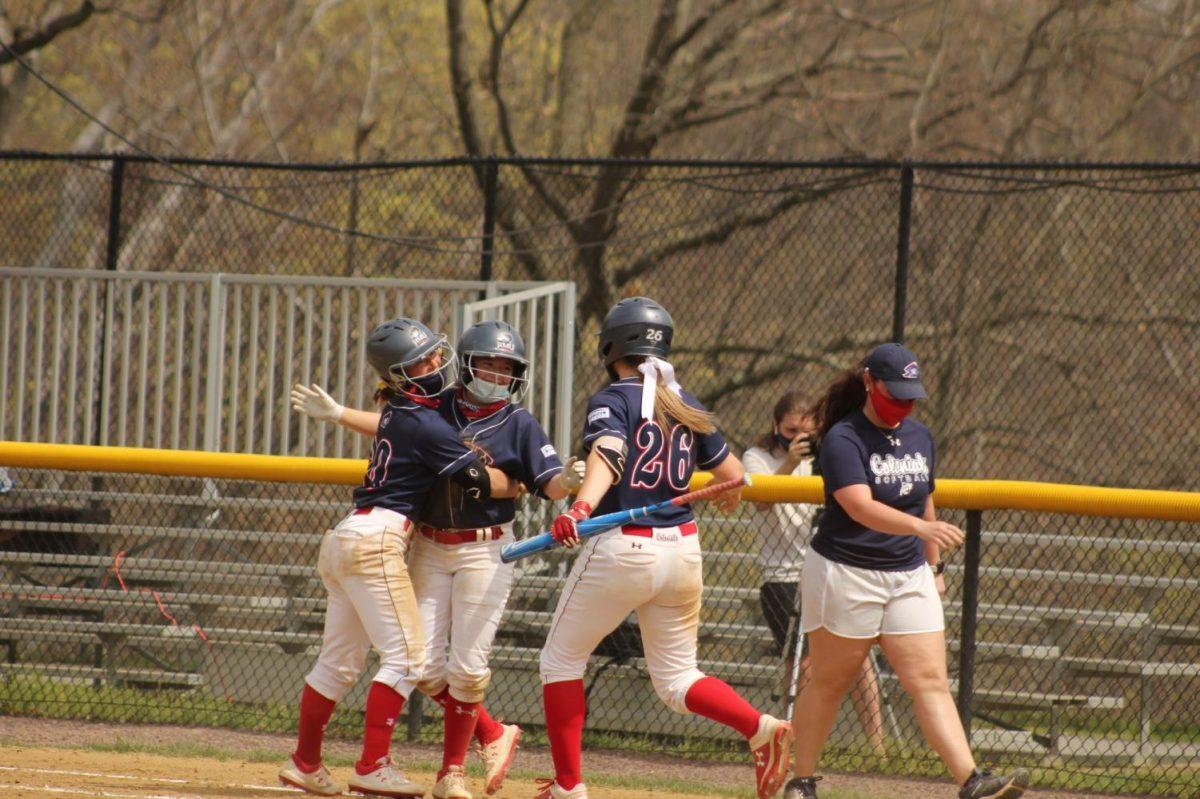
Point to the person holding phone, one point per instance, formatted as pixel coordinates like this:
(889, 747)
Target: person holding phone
(783, 530)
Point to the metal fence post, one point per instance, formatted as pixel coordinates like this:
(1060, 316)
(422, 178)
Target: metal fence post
(212, 382)
(970, 609)
(112, 256)
(416, 715)
(491, 170)
(902, 238)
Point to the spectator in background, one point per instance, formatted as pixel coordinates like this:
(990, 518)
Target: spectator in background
(783, 531)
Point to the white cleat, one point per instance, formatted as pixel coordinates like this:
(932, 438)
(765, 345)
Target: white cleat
(548, 789)
(452, 785)
(385, 780)
(319, 782)
(498, 756)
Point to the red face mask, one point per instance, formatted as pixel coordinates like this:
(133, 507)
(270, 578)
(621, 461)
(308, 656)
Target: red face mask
(890, 411)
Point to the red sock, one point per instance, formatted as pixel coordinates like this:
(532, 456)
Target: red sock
(487, 729)
(565, 708)
(458, 724)
(714, 699)
(383, 708)
(315, 711)
(442, 697)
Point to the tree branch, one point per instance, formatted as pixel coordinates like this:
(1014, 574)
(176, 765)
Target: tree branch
(24, 42)
(733, 223)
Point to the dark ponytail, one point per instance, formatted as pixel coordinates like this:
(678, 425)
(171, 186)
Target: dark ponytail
(842, 397)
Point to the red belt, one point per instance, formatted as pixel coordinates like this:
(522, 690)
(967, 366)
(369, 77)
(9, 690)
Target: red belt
(687, 528)
(460, 536)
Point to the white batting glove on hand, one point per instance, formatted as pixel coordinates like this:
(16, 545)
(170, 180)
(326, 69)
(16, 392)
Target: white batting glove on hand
(312, 401)
(571, 477)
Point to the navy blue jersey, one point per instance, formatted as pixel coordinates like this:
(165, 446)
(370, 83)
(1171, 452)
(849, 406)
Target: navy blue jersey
(660, 462)
(413, 447)
(509, 439)
(897, 465)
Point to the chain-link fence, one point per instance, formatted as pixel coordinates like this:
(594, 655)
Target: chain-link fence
(1054, 307)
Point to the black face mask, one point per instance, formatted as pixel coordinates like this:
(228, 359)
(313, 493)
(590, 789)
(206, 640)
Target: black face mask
(782, 441)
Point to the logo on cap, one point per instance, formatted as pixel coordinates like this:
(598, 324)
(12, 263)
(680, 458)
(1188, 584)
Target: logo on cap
(910, 371)
(504, 342)
(417, 335)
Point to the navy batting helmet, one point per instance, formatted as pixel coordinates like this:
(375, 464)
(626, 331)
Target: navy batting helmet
(397, 344)
(493, 339)
(635, 326)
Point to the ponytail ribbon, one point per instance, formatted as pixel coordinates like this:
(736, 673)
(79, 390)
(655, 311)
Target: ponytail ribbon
(652, 368)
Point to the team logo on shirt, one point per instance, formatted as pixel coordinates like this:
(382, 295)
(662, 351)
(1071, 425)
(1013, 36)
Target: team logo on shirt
(598, 414)
(908, 469)
(548, 451)
(910, 372)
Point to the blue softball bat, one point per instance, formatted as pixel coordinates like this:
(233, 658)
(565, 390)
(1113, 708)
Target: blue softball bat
(599, 524)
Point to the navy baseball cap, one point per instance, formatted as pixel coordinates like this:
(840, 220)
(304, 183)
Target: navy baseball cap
(897, 367)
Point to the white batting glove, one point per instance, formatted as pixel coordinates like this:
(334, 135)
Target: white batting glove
(572, 474)
(312, 401)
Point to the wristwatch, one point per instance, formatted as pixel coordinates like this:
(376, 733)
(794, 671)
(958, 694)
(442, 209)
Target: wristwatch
(939, 568)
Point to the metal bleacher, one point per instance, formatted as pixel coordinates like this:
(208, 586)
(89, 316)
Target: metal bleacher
(188, 583)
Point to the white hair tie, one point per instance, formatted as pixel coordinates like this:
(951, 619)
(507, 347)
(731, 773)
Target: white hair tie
(651, 369)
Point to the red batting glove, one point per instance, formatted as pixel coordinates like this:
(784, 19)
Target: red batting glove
(564, 529)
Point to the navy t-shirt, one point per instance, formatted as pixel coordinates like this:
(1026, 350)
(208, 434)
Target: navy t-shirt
(660, 462)
(509, 439)
(898, 467)
(413, 447)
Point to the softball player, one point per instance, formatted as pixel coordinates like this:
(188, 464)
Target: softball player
(873, 572)
(460, 583)
(370, 597)
(645, 436)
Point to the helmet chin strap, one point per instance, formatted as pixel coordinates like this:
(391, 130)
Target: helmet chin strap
(652, 368)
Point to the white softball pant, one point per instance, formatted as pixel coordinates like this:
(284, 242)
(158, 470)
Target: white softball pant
(371, 604)
(461, 593)
(660, 578)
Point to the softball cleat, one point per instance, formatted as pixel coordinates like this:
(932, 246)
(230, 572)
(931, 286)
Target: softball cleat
(452, 785)
(385, 780)
(320, 782)
(771, 748)
(985, 785)
(549, 789)
(498, 757)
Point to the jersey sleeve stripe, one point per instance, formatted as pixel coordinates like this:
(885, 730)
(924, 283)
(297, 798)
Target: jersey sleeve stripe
(449, 466)
(715, 459)
(553, 470)
(605, 432)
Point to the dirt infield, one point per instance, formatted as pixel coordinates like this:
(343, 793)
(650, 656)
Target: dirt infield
(41, 758)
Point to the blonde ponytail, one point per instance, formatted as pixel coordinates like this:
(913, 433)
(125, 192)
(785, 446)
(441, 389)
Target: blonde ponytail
(669, 406)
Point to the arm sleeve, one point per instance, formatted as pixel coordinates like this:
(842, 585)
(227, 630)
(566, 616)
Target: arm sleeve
(539, 460)
(440, 448)
(842, 463)
(606, 416)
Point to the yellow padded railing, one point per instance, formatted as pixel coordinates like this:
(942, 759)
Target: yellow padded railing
(1133, 503)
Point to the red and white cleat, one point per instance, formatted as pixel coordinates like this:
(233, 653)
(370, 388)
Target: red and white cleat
(771, 747)
(385, 780)
(498, 757)
(320, 782)
(548, 789)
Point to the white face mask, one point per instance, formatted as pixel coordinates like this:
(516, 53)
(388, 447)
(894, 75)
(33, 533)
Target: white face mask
(486, 391)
